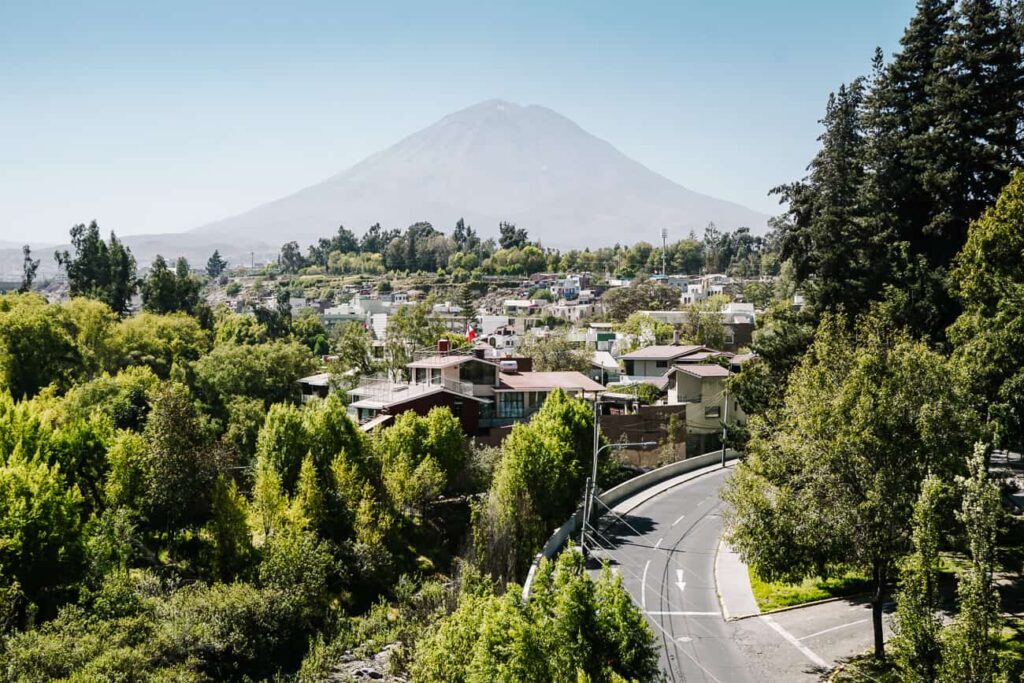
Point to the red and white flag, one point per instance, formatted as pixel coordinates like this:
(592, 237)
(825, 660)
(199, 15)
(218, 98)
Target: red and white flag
(470, 333)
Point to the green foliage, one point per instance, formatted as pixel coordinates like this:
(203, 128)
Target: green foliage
(160, 342)
(830, 481)
(916, 646)
(98, 269)
(167, 291)
(554, 352)
(988, 337)
(908, 159)
(419, 457)
(216, 265)
(269, 371)
(644, 330)
(968, 644)
(572, 628)
(622, 302)
(537, 484)
(353, 344)
(40, 519)
(37, 345)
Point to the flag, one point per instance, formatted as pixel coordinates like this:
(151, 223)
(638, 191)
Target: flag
(470, 333)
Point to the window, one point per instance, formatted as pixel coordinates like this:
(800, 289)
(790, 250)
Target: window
(511, 406)
(661, 363)
(421, 376)
(629, 367)
(712, 411)
(435, 376)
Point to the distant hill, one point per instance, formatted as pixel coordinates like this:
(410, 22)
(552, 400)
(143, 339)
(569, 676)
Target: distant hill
(491, 162)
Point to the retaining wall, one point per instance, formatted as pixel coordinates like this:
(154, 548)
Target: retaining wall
(616, 495)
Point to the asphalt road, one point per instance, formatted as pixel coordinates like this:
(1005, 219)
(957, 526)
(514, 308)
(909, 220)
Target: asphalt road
(664, 548)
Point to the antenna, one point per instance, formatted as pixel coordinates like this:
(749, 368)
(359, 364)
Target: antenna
(664, 252)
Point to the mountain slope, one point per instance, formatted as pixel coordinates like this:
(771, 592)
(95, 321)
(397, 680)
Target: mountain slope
(491, 162)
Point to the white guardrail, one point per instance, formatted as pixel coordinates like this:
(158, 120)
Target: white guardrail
(616, 495)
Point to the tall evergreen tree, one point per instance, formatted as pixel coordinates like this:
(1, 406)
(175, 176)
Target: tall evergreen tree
(98, 270)
(28, 269)
(216, 265)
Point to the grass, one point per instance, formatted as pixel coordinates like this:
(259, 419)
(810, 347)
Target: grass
(773, 595)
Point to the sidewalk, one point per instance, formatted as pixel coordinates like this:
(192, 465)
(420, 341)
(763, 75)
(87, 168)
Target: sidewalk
(733, 584)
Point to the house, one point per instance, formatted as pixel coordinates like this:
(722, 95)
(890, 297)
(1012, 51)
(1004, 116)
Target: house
(315, 386)
(482, 393)
(604, 368)
(655, 361)
(702, 388)
(515, 307)
(573, 312)
(567, 288)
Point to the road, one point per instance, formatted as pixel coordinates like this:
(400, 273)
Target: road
(664, 548)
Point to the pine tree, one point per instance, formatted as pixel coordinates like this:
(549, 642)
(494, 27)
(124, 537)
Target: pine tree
(216, 265)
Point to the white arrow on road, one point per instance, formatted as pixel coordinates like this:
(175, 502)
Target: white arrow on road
(679, 580)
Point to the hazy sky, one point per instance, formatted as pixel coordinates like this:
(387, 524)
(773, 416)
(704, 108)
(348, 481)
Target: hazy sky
(158, 117)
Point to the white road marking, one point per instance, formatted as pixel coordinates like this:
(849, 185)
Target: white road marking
(834, 628)
(683, 614)
(658, 544)
(643, 586)
(679, 580)
(794, 642)
(684, 639)
(678, 520)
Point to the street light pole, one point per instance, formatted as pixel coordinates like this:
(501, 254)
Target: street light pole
(725, 424)
(591, 492)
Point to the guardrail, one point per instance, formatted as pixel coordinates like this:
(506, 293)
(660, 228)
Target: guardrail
(616, 495)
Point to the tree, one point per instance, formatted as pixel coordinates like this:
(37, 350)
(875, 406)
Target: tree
(621, 302)
(352, 342)
(215, 265)
(988, 337)
(537, 484)
(37, 345)
(573, 628)
(99, 270)
(291, 258)
(644, 329)
(182, 464)
(916, 645)
(702, 323)
(40, 521)
(28, 270)
(554, 352)
(968, 648)
(269, 372)
(511, 236)
(160, 288)
(830, 481)
(466, 300)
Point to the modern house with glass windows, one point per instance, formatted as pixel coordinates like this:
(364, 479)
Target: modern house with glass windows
(482, 392)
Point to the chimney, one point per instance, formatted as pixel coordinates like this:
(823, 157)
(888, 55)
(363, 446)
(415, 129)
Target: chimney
(442, 346)
(675, 337)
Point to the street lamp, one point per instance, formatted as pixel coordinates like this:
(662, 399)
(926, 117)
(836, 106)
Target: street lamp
(591, 492)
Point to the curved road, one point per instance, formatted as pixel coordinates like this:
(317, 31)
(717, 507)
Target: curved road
(663, 542)
(664, 548)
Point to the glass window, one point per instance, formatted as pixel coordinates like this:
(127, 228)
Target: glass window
(661, 363)
(421, 376)
(712, 411)
(511, 405)
(435, 376)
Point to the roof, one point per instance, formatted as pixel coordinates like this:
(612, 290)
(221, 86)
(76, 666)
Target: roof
(703, 356)
(703, 371)
(663, 352)
(441, 361)
(322, 379)
(741, 358)
(546, 381)
(379, 420)
(604, 359)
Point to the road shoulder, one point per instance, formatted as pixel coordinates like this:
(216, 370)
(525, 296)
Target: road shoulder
(732, 582)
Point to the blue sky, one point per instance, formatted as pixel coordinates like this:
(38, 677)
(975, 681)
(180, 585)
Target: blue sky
(160, 116)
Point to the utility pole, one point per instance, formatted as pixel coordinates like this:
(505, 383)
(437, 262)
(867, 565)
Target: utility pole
(590, 493)
(664, 252)
(725, 424)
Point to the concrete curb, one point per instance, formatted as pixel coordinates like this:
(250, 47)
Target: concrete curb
(718, 590)
(793, 608)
